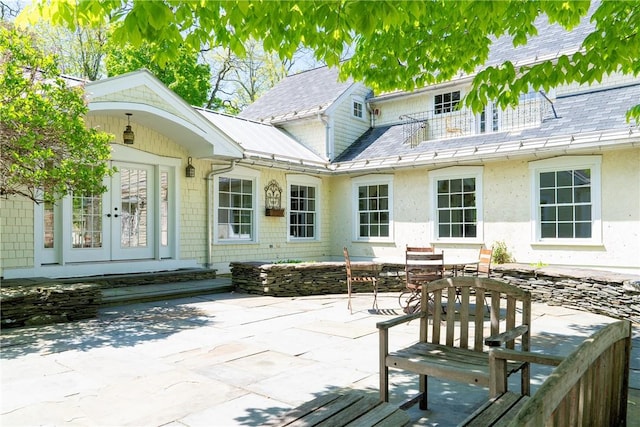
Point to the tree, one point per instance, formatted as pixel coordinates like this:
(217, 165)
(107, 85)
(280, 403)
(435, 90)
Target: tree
(184, 74)
(46, 150)
(398, 44)
(80, 52)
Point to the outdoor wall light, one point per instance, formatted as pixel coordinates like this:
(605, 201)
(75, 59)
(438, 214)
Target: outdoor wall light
(127, 136)
(191, 170)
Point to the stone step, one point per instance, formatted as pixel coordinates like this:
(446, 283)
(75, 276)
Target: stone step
(162, 291)
(137, 279)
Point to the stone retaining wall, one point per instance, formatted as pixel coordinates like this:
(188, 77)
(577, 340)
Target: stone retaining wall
(602, 292)
(50, 303)
(612, 294)
(317, 278)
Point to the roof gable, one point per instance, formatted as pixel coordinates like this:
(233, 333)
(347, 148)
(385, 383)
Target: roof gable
(156, 106)
(298, 95)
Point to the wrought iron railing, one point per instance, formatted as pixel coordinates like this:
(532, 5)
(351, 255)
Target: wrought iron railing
(427, 125)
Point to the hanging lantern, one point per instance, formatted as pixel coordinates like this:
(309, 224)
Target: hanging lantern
(191, 170)
(127, 136)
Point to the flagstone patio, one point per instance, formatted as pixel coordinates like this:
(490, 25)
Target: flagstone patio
(234, 360)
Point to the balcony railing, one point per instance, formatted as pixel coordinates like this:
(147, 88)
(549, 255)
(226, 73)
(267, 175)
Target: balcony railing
(429, 125)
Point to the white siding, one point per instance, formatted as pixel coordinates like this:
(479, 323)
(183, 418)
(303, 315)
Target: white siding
(346, 127)
(506, 205)
(311, 133)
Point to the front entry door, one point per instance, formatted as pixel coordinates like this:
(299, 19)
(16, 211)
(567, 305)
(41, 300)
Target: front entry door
(118, 224)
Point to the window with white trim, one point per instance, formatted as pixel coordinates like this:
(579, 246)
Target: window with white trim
(457, 203)
(374, 200)
(304, 205)
(566, 199)
(357, 107)
(446, 102)
(235, 210)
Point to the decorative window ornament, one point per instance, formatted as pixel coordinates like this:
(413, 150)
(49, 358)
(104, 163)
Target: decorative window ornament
(273, 199)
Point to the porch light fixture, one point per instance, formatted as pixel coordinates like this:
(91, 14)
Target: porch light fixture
(127, 136)
(191, 170)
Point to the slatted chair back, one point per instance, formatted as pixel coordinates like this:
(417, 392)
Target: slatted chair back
(422, 266)
(352, 278)
(484, 261)
(461, 324)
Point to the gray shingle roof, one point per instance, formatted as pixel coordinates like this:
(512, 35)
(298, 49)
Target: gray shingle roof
(596, 111)
(552, 40)
(301, 94)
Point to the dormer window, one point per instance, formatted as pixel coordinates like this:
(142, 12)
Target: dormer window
(358, 108)
(446, 102)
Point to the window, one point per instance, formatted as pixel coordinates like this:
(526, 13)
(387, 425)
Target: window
(566, 193)
(489, 119)
(303, 207)
(358, 108)
(235, 211)
(374, 200)
(446, 102)
(457, 205)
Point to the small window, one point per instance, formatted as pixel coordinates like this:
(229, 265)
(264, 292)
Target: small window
(373, 217)
(446, 102)
(358, 108)
(566, 199)
(304, 207)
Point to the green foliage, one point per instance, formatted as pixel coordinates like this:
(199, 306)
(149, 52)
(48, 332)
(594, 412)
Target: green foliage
(46, 149)
(183, 74)
(501, 254)
(539, 264)
(398, 44)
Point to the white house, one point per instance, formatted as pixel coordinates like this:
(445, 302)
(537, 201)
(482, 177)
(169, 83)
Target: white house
(317, 164)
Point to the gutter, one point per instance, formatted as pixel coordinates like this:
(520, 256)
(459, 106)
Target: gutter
(209, 201)
(543, 147)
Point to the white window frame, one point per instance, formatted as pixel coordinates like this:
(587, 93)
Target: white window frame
(356, 183)
(594, 163)
(358, 100)
(307, 181)
(451, 107)
(244, 174)
(458, 172)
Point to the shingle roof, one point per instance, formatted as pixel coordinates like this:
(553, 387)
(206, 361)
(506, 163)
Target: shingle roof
(590, 112)
(551, 41)
(306, 93)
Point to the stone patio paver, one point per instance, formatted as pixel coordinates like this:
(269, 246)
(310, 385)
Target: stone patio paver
(231, 360)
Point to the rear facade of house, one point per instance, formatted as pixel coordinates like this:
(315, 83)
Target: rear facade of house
(317, 164)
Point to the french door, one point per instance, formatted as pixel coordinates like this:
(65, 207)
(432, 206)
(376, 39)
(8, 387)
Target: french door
(119, 224)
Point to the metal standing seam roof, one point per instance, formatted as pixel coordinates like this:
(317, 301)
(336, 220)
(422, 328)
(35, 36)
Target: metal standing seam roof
(262, 140)
(584, 120)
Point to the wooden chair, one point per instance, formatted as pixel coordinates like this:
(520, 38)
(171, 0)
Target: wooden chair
(484, 264)
(588, 387)
(454, 346)
(351, 278)
(422, 266)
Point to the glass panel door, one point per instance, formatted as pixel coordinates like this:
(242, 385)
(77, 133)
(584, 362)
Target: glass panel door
(132, 204)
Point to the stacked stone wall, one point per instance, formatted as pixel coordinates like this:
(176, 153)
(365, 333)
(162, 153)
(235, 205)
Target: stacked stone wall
(611, 294)
(319, 278)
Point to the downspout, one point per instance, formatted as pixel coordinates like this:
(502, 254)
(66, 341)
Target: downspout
(328, 139)
(209, 179)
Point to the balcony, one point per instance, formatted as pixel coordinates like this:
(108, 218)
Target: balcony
(434, 125)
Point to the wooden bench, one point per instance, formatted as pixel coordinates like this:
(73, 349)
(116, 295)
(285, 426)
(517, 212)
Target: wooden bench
(345, 409)
(588, 387)
(456, 346)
